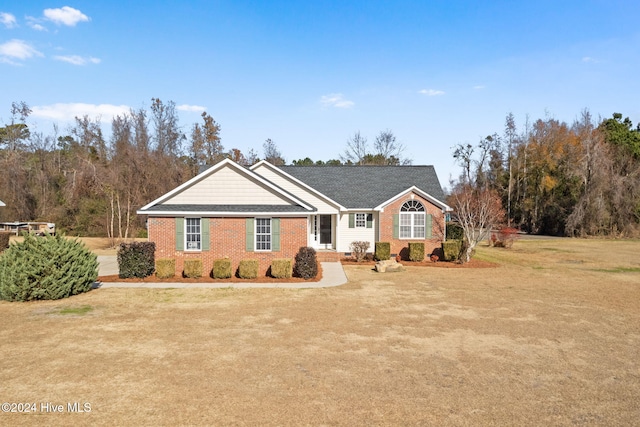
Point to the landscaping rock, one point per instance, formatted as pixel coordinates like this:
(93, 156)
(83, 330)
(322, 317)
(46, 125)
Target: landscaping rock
(388, 266)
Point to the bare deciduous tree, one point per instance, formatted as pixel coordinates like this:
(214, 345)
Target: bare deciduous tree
(168, 137)
(464, 156)
(356, 150)
(386, 150)
(477, 210)
(387, 147)
(272, 153)
(206, 148)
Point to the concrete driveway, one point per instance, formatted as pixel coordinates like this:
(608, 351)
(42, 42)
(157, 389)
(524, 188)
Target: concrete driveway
(108, 265)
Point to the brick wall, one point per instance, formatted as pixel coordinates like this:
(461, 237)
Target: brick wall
(400, 246)
(227, 239)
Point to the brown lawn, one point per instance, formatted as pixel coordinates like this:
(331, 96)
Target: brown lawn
(550, 337)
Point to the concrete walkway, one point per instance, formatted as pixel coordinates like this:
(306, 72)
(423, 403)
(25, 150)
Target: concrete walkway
(332, 275)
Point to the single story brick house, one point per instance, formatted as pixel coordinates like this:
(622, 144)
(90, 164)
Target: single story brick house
(266, 212)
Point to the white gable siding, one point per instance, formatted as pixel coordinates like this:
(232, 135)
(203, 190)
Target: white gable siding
(348, 235)
(297, 190)
(227, 186)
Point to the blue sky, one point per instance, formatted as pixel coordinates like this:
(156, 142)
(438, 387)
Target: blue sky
(309, 74)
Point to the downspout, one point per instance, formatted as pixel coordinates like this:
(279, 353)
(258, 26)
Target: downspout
(337, 228)
(444, 234)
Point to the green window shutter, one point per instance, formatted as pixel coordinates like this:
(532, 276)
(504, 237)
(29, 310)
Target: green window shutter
(179, 234)
(249, 234)
(369, 220)
(352, 220)
(396, 226)
(429, 226)
(275, 234)
(204, 227)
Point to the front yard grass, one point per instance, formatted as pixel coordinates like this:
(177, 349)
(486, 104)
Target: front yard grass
(549, 337)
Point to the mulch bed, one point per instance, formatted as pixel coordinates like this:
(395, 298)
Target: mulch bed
(207, 279)
(474, 263)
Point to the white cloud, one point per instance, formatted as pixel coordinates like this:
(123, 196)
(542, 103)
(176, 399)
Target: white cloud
(34, 23)
(8, 20)
(67, 112)
(65, 16)
(479, 87)
(431, 92)
(589, 59)
(192, 108)
(17, 49)
(336, 100)
(37, 27)
(77, 60)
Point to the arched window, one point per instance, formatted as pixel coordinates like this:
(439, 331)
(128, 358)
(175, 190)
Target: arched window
(412, 220)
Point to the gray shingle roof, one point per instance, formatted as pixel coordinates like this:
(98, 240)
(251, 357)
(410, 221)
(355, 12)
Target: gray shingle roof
(365, 187)
(228, 208)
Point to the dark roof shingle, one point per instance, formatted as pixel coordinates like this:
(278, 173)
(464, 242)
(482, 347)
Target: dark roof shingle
(365, 187)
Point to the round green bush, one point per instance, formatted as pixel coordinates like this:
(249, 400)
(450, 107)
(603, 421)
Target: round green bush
(46, 268)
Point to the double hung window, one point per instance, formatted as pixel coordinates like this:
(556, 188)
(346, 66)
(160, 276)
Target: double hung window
(263, 234)
(193, 234)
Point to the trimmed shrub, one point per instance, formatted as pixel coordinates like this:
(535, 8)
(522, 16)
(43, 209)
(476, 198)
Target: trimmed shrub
(306, 265)
(46, 268)
(282, 268)
(416, 251)
(136, 259)
(451, 250)
(359, 250)
(454, 231)
(504, 237)
(221, 268)
(248, 269)
(4, 240)
(383, 251)
(192, 268)
(165, 268)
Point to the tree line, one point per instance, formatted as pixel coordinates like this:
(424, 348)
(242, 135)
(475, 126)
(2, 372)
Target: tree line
(553, 178)
(579, 179)
(92, 185)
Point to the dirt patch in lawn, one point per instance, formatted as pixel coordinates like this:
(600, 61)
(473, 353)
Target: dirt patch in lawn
(541, 340)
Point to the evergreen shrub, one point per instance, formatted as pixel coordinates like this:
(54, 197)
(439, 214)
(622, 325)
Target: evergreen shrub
(46, 268)
(136, 259)
(192, 268)
(248, 269)
(416, 251)
(165, 268)
(282, 268)
(454, 231)
(383, 251)
(451, 250)
(4, 240)
(306, 265)
(222, 268)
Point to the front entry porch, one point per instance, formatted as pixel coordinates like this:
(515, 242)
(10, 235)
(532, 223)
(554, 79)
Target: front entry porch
(322, 232)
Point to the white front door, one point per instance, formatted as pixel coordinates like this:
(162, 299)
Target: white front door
(322, 231)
